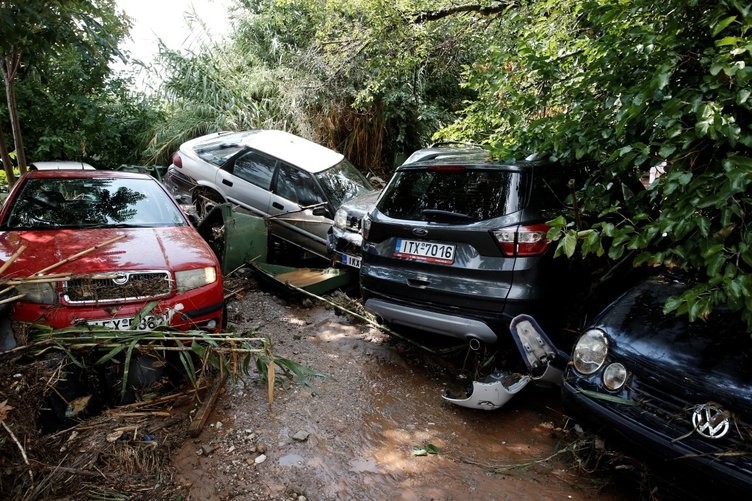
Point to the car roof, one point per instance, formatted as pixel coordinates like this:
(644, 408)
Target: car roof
(296, 150)
(60, 164)
(92, 174)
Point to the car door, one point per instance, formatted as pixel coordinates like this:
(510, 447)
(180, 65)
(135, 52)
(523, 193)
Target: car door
(300, 212)
(246, 181)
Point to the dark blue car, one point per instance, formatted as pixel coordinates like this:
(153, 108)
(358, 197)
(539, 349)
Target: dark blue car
(679, 394)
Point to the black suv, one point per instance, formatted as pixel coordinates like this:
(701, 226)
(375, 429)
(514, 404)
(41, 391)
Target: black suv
(456, 245)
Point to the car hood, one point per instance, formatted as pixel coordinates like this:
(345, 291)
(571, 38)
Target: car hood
(175, 248)
(361, 205)
(702, 356)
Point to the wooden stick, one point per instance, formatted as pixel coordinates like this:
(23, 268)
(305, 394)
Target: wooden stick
(20, 447)
(203, 413)
(79, 254)
(11, 299)
(12, 258)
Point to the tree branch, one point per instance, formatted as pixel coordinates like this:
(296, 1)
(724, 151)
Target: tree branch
(483, 10)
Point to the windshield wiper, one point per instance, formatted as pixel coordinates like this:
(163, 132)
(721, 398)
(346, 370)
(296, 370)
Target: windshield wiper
(445, 214)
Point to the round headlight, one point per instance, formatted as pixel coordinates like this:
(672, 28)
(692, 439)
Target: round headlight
(614, 376)
(340, 219)
(590, 352)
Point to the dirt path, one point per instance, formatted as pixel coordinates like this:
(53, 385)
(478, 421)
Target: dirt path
(351, 435)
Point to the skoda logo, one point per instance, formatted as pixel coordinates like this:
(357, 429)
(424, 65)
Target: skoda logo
(120, 279)
(420, 232)
(710, 421)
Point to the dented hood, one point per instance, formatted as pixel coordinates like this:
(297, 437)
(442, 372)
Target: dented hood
(162, 248)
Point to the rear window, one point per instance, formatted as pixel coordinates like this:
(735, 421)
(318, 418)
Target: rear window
(449, 194)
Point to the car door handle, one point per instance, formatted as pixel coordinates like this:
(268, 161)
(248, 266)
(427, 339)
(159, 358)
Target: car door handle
(227, 182)
(278, 205)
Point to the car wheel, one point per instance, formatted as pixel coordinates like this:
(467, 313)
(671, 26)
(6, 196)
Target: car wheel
(205, 200)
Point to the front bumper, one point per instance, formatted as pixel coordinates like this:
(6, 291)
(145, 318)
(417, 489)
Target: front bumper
(658, 447)
(344, 246)
(201, 309)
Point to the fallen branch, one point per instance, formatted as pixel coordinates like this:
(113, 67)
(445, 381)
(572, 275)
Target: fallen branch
(20, 448)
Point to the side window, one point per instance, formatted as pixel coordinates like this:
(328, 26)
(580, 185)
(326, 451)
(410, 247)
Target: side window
(297, 186)
(218, 154)
(255, 168)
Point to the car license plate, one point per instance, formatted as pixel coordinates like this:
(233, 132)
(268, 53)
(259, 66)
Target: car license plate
(425, 251)
(349, 260)
(124, 324)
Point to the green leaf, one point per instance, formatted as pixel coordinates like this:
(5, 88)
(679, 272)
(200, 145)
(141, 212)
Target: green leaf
(111, 354)
(725, 41)
(722, 24)
(569, 243)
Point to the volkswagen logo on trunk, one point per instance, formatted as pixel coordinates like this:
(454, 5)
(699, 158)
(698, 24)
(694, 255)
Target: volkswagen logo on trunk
(120, 279)
(420, 232)
(710, 421)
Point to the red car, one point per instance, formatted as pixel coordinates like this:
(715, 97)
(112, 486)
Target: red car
(104, 245)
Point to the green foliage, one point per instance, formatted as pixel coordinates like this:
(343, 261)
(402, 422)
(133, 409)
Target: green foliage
(361, 76)
(69, 106)
(633, 85)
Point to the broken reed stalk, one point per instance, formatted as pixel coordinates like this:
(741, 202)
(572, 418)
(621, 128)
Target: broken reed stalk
(79, 254)
(12, 258)
(20, 448)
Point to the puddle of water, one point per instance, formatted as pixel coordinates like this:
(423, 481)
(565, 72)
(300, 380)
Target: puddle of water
(291, 460)
(364, 465)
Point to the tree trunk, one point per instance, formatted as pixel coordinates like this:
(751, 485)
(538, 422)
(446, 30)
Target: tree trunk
(5, 158)
(10, 65)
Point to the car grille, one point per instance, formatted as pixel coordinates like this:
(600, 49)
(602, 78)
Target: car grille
(118, 287)
(670, 413)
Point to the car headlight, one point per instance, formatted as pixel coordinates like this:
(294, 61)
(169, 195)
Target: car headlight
(366, 226)
(340, 219)
(40, 293)
(193, 279)
(614, 376)
(590, 351)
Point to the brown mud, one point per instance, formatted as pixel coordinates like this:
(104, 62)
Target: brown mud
(353, 432)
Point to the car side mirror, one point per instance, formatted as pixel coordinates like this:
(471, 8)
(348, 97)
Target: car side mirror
(321, 211)
(193, 220)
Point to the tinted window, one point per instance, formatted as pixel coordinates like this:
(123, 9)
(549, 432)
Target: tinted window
(297, 186)
(255, 168)
(343, 182)
(478, 194)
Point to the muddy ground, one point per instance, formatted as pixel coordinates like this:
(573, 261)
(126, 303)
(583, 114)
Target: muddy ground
(353, 432)
(370, 424)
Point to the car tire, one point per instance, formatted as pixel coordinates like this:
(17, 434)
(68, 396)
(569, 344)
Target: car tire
(205, 200)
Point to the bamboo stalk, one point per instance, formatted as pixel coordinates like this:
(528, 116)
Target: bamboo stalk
(12, 258)
(11, 299)
(79, 254)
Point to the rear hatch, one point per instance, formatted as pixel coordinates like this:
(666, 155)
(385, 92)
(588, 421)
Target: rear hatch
(453, 236)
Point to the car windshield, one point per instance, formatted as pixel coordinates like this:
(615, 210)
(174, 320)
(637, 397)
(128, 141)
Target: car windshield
(92, 202)
(343, 182)
(452, 194)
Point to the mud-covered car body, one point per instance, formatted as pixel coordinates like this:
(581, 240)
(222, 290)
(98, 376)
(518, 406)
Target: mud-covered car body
(296, 184)
(456, 245)
(96, 247)
(679, 394)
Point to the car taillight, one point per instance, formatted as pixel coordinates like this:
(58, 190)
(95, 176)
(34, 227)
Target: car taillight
(522, 240)
(176, 160)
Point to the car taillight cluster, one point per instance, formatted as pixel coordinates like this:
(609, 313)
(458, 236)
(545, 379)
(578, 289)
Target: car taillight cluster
(176, 160)
(529, 240)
